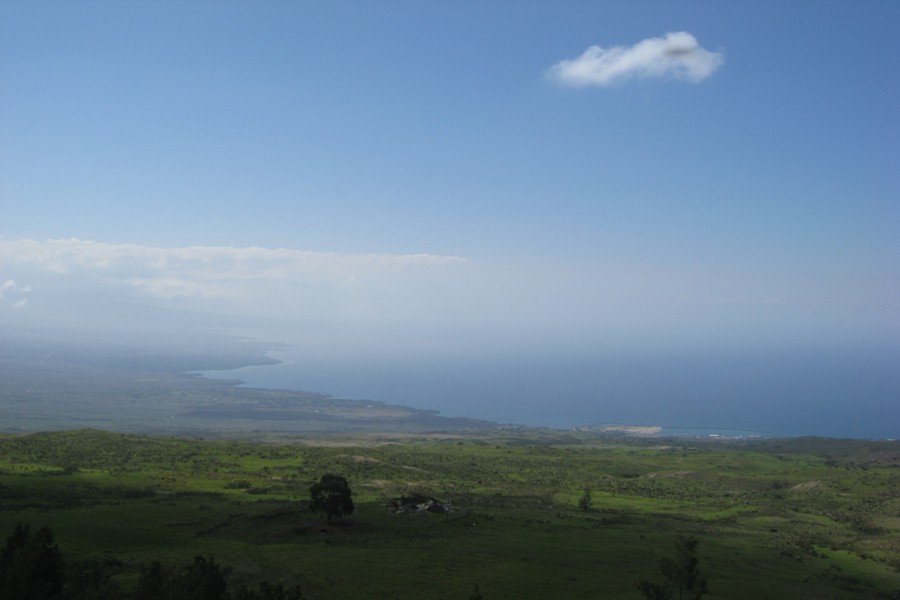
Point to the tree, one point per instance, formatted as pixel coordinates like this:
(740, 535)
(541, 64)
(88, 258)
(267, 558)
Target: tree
(654, 591)
(267, 591)
(202, 579)
(684, 579)
(92, 580)
(586, 500)
(332, 496)
(155, 581)
(31, 566)
(684, 571)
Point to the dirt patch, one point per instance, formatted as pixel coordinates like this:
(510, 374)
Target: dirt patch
(671, 474)
(417, 469)
(361, 459)
(807, 486)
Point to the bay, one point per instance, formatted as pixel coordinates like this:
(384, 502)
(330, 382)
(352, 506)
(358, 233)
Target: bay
(849, 392)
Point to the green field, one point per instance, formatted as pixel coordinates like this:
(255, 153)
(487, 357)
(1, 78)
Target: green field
(804, 518)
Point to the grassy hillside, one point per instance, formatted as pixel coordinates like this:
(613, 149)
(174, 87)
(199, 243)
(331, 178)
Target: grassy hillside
(779, 519)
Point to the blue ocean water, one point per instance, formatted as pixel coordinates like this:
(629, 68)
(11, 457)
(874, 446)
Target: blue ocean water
(838, 393)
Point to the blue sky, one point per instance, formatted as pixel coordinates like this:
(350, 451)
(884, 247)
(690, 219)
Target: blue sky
(423, 168)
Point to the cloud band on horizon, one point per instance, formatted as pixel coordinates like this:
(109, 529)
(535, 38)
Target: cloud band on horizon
(201, 270)
(84, 280)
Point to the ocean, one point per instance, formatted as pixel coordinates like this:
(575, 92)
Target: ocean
(851, 393)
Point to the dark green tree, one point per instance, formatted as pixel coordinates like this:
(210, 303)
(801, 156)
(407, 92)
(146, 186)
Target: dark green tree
(202, 579)
(267, 591)
(31, 566)
(92, 580)
(332, 496)
(684, 580)
(586, 501)
(654, 591)
(155, 581)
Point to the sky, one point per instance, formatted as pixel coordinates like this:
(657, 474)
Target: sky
(438, 181)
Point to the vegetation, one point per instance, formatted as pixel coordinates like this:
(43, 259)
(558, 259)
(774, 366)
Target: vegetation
(202, 579)
(32, 569)
(331, 495)
(586, 502)
(682, 573)
(31, 565)
(803, 518)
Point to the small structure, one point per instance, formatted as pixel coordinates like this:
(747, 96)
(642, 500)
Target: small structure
(417, 503)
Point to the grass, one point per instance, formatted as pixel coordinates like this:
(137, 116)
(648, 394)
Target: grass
(798, 519)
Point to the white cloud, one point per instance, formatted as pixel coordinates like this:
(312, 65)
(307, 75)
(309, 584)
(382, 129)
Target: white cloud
(676, 55)
(13, 291)
(81, 277)
(201, 270)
